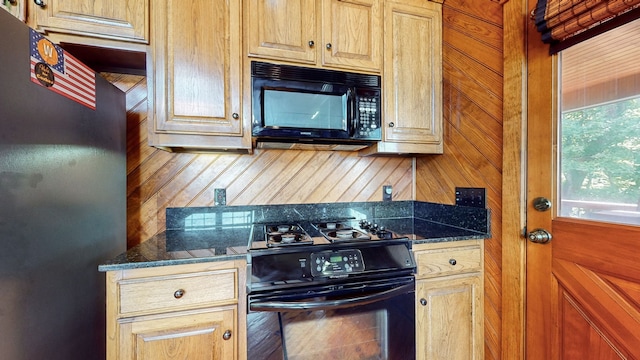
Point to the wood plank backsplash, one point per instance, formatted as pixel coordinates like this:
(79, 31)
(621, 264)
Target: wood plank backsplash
(157, 179)
(473, 102)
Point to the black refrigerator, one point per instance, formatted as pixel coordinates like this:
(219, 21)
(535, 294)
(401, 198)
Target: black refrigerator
(62, 197)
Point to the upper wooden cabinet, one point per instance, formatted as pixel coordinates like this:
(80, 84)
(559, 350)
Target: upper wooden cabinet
(412, 79)
(195, 70)
(126, 20)
(334, 33)
(16, 8)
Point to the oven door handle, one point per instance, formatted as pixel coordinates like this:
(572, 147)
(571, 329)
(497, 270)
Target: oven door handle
(331, 304)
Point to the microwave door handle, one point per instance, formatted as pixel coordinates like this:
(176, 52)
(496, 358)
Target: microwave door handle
(331, 304)
(352, 109)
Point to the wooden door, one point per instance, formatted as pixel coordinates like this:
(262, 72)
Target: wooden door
(352, 34)
(583, 287)
(282, 29)
(122, 19)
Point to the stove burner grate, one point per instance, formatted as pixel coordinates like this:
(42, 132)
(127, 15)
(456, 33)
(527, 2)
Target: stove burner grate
(286, 235)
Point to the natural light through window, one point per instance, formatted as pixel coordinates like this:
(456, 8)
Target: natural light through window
(599, 141)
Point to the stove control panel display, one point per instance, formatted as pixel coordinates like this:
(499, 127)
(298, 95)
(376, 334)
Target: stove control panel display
(336, 263)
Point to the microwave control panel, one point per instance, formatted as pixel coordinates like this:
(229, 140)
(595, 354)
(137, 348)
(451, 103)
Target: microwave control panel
(367, 121)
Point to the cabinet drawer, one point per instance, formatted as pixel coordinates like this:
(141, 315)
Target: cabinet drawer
(448, 261)
(177, 292)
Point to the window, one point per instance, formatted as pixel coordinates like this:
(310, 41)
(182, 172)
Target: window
(599, 140)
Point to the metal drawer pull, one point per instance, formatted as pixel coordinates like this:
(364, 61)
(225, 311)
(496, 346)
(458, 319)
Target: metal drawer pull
(178, 294)
(227, 335)
(453, 262)
(423, 302)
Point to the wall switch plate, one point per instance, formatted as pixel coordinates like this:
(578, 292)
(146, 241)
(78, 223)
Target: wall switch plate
(475, 197)
(387, 193)
(220, 197)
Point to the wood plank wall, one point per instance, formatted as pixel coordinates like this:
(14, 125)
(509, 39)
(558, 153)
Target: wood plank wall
(472, 73)
(157, 179)
(473, 80)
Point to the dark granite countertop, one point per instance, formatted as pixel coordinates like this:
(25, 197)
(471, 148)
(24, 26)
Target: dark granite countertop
(218, 243)
(173, 247)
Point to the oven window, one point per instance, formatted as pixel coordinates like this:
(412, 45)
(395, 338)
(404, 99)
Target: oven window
(335, 334)
(304, 110)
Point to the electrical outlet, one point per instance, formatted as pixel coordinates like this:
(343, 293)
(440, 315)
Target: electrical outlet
(220, 197)
(475, 197)
(387, 193)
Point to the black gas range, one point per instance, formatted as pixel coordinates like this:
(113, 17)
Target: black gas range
(304, 264)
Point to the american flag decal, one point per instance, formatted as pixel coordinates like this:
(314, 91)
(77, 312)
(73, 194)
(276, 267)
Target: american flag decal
(54, 68)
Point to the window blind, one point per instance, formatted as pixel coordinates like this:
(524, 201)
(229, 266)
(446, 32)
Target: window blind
(563, 23)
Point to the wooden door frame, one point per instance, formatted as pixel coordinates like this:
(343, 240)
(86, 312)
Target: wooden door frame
(515, 28)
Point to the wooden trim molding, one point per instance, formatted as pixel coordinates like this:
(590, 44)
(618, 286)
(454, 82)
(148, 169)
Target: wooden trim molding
(515, 16)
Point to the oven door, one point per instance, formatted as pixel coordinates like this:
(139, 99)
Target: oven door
(373, 320)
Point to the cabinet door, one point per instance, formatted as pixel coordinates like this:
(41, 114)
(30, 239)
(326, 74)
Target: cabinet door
(449, 318)
(114, 19)
(351, 34)
(282, 29)
(206, 335)
(196, 64)
(14, 7)
(413, 74)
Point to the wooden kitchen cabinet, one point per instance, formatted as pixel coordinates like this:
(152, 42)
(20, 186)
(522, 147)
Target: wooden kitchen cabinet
(16, 8)
(123, 20)
(195, 74)
(194, 311)
(449, 300)
(333, 33)
(412, 79)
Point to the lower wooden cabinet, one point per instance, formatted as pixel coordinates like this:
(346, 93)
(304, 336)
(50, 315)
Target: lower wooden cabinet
(204, 334)
(449, 300)
(194, 311)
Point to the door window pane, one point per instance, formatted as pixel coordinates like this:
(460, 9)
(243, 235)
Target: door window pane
(599, 141)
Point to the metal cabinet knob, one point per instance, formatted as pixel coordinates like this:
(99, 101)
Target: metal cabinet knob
(227, 335)
(391, 124)
(40, 3)
(328, 46)
(453, 262)
(311, 43)
(423, 302)
(235, 116)
(178, 294)
(539, 236)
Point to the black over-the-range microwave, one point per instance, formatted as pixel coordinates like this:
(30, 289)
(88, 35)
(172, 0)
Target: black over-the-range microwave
(317, 107)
